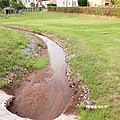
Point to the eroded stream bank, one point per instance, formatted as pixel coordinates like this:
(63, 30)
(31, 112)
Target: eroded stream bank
(45, 93)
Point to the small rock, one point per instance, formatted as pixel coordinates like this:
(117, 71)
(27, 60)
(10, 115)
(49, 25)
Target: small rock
(37, 85)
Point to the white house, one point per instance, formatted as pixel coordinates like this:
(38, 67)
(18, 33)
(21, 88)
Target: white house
(45, 3)
(97, 3)
(59, 3)
(65, 3)
(27, 3)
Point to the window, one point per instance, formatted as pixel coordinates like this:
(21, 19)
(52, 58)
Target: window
(106, 4)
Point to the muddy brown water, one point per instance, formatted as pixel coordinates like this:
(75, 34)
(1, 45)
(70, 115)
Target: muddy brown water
(45, 93)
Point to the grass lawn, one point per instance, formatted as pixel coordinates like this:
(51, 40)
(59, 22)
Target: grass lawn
(11, 44)
(94, 44)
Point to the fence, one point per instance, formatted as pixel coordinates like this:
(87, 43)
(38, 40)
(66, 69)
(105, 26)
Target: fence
(32, 9)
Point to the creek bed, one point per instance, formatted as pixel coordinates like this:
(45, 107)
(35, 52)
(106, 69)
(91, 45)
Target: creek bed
(45, 94)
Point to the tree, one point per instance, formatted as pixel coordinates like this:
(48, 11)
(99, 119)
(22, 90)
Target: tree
(1, 5)
(4, 3)
(17, 4)
(82, 2)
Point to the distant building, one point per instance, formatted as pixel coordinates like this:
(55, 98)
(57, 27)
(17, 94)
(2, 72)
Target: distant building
(59, 3)
(45, 3)
(97, 3)
(27, 3)
(65, 3)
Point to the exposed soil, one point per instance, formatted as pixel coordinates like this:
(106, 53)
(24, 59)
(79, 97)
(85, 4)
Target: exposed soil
(31, 95)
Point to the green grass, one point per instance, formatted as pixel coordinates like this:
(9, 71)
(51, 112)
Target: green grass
(11, 44)
(98, 115)
(3, 84)
(95, 41)
(36, 62)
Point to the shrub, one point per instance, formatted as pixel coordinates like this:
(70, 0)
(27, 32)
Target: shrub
(88, 10)
(0, 9)
(18, 5)
(51, 4)
(4, 3)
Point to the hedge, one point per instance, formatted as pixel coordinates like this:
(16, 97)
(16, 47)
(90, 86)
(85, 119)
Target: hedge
(51, 4)
(108, 11)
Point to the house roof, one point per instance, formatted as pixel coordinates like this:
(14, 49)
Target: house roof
(8, 8)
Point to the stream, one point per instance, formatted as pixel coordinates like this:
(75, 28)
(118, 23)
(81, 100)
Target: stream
(46, 93)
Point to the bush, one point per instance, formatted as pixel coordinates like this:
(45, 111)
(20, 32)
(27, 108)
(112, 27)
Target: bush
(4, 3)
(88, 10)
(0, 9)
(1, 5)
(18, 5)
(51, 4)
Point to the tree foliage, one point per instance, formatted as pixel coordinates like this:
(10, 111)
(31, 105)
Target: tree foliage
(17, 4)
(4, 3)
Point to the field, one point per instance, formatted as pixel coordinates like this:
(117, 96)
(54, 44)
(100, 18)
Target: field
(94, 47)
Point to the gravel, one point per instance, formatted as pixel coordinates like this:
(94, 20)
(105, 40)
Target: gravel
(31, 49)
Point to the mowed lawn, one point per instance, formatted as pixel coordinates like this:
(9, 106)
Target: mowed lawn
(94, 46)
